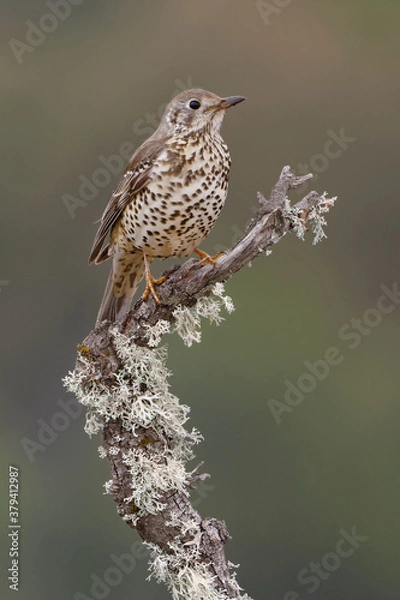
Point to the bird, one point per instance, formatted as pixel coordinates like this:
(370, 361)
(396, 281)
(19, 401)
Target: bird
(168, 199)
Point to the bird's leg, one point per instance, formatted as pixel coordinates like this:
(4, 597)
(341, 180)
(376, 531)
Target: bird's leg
(206, 258)
(151, 282)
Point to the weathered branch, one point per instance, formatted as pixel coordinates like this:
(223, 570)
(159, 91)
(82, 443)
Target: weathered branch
(188, 550)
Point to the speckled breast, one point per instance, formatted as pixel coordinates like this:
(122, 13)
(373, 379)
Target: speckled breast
(177, 208)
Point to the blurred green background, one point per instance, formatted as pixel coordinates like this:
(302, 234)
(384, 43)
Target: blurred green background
(310, 70)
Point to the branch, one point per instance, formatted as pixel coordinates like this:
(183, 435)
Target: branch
(121, 377)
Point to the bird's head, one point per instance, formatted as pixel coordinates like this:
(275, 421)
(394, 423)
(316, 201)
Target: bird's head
(194, 111)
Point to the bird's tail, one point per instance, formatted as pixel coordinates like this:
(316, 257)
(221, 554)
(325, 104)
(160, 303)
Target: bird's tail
(126, 273)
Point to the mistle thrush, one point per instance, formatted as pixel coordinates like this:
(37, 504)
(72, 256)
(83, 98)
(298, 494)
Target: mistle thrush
(171, 193)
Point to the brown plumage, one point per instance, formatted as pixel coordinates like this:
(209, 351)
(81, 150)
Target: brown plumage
(171, 193)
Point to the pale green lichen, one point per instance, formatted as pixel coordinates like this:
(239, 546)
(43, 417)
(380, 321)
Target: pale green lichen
(140, 399)
(184, 575)
(291, 213)
(315, 218)
(219, 291)
(187, 325)
(156, 332)
(154, 478)
(102, 452)
(187, 320)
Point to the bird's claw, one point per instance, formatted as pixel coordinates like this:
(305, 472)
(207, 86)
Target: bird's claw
(206, 258)
(150, 283)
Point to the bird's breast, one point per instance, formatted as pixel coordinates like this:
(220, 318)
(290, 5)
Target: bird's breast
(182, 200)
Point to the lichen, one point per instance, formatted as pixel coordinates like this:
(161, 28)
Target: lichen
(184, 575)
(187, 320)
(187, 325)
(153, 477)
(315, 218)
(291, 213)
(140, 399)
(156, 332)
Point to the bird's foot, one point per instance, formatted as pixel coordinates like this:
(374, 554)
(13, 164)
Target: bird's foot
(150, 283)
(206, 258)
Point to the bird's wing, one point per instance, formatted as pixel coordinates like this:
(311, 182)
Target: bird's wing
(136, 176)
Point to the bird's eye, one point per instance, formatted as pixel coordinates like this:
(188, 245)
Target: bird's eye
(195, 104)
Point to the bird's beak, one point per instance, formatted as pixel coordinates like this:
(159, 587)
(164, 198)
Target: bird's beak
(231, 101)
